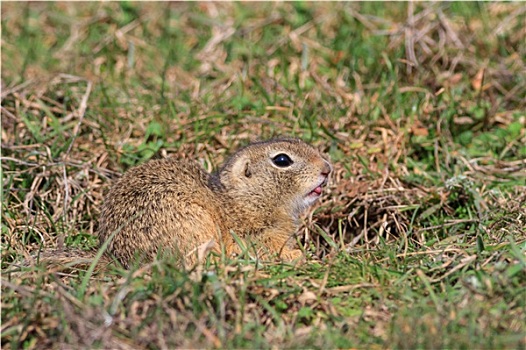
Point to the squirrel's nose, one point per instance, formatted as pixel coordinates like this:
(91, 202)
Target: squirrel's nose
(327, 168)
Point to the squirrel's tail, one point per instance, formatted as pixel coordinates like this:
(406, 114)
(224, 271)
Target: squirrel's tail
(64, 260)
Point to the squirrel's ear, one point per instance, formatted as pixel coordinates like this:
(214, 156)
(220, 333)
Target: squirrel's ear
(241, 167)
(248, 173)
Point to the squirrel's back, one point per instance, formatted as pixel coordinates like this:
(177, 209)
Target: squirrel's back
(162, 206)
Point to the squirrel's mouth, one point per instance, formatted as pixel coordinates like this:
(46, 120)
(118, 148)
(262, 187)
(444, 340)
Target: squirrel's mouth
(316, 192)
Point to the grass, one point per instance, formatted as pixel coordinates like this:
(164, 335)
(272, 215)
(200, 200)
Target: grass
(419, 241)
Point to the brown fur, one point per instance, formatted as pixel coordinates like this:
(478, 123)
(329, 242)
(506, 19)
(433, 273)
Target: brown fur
(171, 206)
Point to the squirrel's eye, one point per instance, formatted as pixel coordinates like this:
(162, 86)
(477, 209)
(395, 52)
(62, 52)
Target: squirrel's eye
(282, 160)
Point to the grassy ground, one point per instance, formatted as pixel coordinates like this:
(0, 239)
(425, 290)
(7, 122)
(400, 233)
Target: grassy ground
(419, 242)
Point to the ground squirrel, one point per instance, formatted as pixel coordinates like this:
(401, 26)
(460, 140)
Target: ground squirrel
(173, 206)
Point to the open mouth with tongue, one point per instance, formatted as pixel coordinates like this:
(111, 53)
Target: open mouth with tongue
(316, 192)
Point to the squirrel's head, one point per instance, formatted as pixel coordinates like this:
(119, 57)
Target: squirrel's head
(286, 173)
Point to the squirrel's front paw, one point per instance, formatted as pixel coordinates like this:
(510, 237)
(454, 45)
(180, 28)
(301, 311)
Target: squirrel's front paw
(292, 255)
